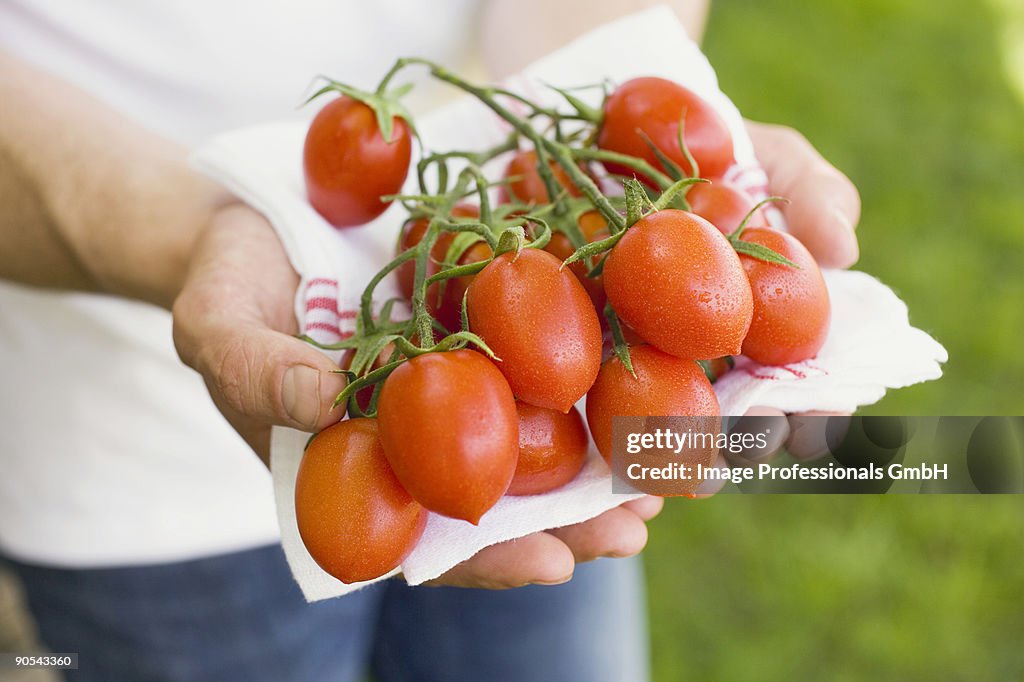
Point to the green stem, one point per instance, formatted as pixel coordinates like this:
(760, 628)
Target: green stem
(594, 248)
(551, 185)
(386, 80)
(420, 316)
(512, 239)
(368, 379)
(474, 158)
(541, 240)
(345, 344)
(422, 322)
(481, 228)
(619, 344)
(366, 301)
(559, 152)
(738, 232)
(460, 271)
(639, 165)
(481, 189)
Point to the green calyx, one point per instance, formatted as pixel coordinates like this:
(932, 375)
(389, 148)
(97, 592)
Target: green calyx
(638, 205)
(619, 345)
(386, 105)
(583, 110)
(404, 350)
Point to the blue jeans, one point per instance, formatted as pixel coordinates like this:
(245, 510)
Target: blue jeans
(241, 617)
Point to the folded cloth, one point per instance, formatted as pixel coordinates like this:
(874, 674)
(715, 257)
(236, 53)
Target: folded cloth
(871, 345)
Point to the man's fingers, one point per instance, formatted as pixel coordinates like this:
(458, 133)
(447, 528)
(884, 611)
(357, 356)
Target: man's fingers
(807, 440)
(819, 219)
(268, 375)
(767, 420)
(712, 486)
(646, 507)
(616, 533)
(233, 323)
(824, 205)
(540, 558)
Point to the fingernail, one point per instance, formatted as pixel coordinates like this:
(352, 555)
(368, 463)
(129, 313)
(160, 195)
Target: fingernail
(847, 238)
(839, 215)
(558, 581)
(300, 393)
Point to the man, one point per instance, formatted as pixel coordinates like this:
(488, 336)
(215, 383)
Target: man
(140, 523)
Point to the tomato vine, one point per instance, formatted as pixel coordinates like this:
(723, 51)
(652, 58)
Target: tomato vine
(510, 227)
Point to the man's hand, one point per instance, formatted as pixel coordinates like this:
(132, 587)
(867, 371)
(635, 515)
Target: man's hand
(549, 558)
(824, 205)
(234, 323)
(822, 212)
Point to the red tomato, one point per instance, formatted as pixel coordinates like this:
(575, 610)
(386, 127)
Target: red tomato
(443, 307)
(449, 428)
(664, 386)
(538, 319)
(349, 166)
(354, 517)
(791, 306)
(530, 188)
(655, 106)
(676, 280)
(724, 206)
(594, 228)
(552, 449)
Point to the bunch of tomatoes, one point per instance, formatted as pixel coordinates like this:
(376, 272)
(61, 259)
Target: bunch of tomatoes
(610, 261)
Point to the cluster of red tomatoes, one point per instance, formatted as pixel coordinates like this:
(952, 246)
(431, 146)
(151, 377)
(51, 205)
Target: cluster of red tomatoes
(456, 429)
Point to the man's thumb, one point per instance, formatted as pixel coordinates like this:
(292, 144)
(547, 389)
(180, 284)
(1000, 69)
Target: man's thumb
(274, 378)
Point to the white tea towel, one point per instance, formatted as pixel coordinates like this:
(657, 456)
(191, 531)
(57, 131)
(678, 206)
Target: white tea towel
(871, 345)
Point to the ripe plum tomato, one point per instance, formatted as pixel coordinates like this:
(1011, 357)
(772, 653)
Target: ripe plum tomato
(791, 307)
(676, 280)
(552, 449)
(664, 386)
(442, 306)
(529, 187)
(449, 428)
(594, 228)
(538, 319)
(655, 106)
(354, 517)
(724, 206)
(348, 165)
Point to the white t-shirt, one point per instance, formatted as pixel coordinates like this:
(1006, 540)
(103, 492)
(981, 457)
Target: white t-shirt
(111, 451)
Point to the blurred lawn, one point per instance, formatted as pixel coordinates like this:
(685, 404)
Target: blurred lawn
(911, 99)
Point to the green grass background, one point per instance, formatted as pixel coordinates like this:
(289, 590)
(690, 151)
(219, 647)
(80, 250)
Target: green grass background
(913, 99)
